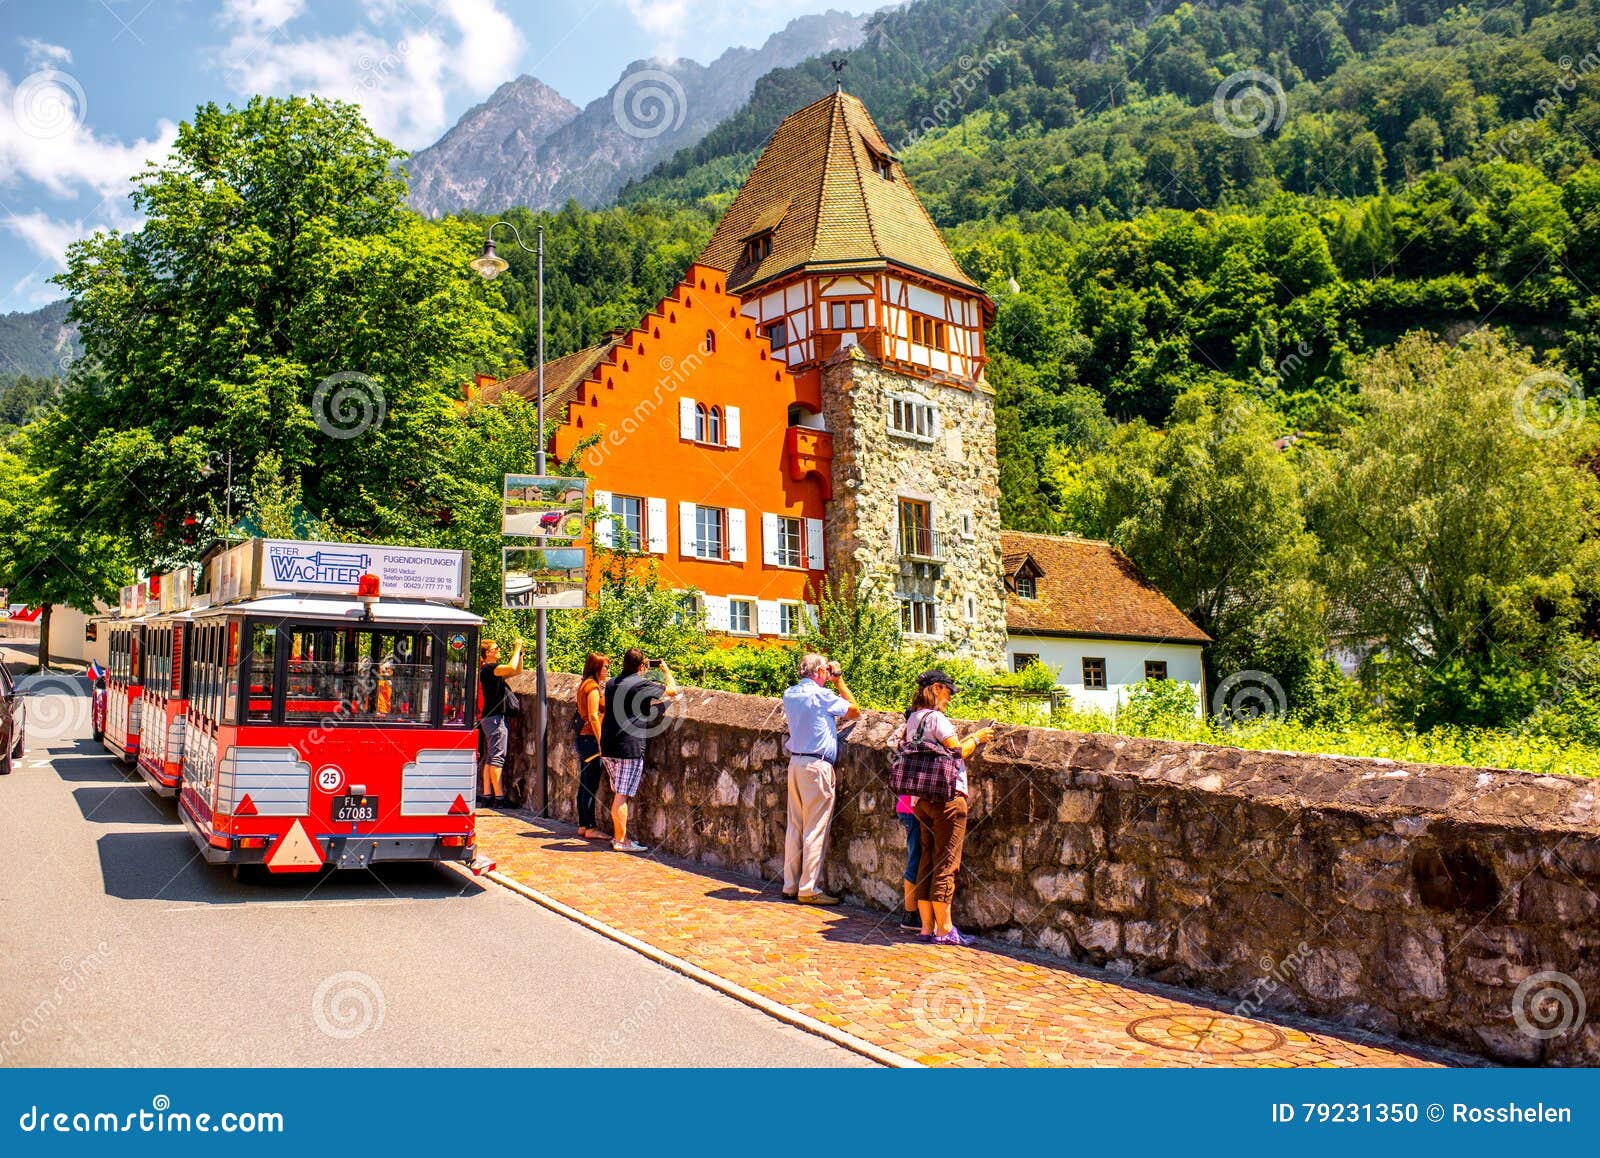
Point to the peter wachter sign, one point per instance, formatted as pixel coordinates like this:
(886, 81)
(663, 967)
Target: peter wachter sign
(287, 565)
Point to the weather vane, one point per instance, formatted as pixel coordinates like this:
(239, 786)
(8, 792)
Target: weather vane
(838, 73)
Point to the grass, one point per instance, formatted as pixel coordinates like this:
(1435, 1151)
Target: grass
(1467, 747)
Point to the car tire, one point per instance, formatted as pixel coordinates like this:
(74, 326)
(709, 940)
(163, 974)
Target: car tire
(5, 762)
(16, 752)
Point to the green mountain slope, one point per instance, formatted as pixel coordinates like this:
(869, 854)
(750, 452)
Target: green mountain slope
(903, 49)
(1255, 193)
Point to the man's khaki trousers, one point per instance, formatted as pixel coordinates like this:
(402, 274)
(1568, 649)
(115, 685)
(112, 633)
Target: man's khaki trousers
(805, 842)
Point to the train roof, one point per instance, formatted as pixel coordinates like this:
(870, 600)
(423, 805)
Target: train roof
(339, 609)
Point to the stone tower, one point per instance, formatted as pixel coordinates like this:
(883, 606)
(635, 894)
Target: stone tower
(847, 277)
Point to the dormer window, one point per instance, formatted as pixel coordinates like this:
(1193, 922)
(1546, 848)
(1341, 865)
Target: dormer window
(881, 165)
(1026, 587)
(758, 248)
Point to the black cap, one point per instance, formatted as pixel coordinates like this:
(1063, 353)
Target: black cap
(935, 675)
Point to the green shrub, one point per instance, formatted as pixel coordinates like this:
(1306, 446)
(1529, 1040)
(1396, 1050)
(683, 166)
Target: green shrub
(860, 630)
(753, 670)
(1037, 676)
(1156, 705)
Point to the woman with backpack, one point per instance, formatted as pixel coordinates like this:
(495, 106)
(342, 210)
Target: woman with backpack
(932, 766)
(586, 724)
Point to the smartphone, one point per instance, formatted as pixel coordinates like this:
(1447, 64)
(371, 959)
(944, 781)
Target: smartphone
(652, 663)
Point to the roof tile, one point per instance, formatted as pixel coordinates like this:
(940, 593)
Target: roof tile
(814, 186)
(1087, 587)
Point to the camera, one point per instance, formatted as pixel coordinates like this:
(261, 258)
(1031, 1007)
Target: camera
(652, 663)
(834, 670)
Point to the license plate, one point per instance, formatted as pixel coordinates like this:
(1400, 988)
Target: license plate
(354, 809)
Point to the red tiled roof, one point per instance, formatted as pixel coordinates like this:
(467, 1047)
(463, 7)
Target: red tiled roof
(561, 378)
(1089, 588)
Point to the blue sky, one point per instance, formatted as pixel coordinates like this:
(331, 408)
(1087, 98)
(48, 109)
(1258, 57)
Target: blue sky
(89, 89)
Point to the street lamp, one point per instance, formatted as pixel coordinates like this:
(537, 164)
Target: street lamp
(490, 265)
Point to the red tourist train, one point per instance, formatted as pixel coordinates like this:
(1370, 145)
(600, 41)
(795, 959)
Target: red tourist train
(122, 726)
(164, 702)
(330, 712)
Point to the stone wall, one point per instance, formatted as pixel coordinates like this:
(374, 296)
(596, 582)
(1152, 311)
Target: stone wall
(1423, 901)
(958, 473)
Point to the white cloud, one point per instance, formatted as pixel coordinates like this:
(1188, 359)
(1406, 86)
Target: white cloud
(45, 235)
(403, 69)
(44, 139)
(30, 291)
(74, 180)
(674, 25)
(260, 16)
(40, 53)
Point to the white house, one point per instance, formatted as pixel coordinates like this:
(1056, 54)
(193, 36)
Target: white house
(1082, 608)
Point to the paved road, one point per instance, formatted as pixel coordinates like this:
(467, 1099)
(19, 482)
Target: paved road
(121, 947)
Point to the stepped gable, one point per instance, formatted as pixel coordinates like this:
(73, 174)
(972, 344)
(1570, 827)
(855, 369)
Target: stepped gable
(561, 378)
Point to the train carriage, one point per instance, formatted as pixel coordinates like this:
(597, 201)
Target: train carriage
(120, 732)
(331, 717)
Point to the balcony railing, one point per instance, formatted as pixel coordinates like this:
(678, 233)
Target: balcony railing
(921, 542)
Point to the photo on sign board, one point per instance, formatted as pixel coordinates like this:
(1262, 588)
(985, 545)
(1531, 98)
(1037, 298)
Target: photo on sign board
(542, 507)
(553, 578)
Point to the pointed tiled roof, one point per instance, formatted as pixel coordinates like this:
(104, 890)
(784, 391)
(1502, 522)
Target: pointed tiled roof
(815, 187)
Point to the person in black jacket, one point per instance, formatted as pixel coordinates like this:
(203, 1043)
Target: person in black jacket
(496, 733)
(633, 713)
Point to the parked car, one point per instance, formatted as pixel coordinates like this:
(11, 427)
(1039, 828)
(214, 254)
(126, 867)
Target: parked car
(12, 720)
(550, 519)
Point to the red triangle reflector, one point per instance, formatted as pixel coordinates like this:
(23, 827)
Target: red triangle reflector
(459, 808)
(247, 807)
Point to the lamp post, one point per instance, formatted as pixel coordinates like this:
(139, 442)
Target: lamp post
(491, 265)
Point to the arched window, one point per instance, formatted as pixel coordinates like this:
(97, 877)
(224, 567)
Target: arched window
(714, 431)
(711, 342)
(702, 424)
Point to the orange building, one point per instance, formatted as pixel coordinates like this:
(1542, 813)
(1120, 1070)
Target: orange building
(697, 464)
(810, 401)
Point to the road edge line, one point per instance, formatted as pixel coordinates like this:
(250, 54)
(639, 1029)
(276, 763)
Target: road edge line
(773, 1009)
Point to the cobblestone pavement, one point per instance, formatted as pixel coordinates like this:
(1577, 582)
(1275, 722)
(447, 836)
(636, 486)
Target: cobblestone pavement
(986, 1006)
